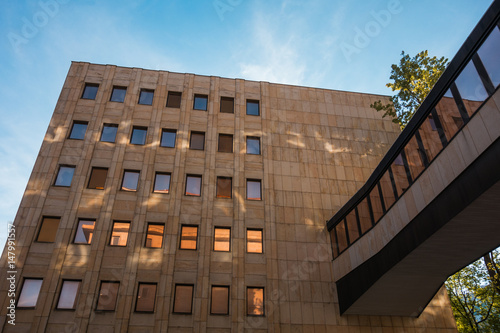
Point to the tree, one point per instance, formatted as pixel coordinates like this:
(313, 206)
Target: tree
(474, 298)
(413, 79)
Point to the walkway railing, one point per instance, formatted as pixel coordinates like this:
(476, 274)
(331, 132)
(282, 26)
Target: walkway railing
(469, 80)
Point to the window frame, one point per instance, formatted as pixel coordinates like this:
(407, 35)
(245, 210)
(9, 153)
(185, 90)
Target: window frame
(77, 295)
(168, 130)
(261, 240)
(263, 301)
(137, 297)
(78, 122)
(147, 233)
(76, 231)
(175, 298)
(201, 96)
(185, 187)
(41, 227)
(174, 93)
(212, 299)
(253, 101)
(191, 140)
(145, 90)
(108, 125)
(93, 85)
(221, 135)
(253, 180)
(213, 245)
(139, 128)
(112, 230)
(118, 88)
(25, 278)
(252, 138)
(196, 239)
(138, 172)
(99, 296)
(169, 182)
(59, 170)
(230, 188)
(90, 178)
(227, 98)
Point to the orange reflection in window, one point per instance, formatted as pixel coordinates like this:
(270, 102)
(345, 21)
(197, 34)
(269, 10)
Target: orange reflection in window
(255, 301)
(119, 236)
(254, 241)
(222, 239)
(188, 237)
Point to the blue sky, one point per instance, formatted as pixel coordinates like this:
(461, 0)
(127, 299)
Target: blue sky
(345, 45)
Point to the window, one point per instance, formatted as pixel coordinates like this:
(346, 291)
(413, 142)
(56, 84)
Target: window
(130, 180)
(224, 187)
(84, 232)
(225, 143)
(107, 296)
(253, 107)
(253, 145)
(118, 94)
(183, 298)
(78, 130)
(200, 102)
(98, 178)
(189, 236)
(48, 230)
(154, 236)
(29, 293)
(255, 301)
(68, 296)
(222, 239)
(146, 295)
(197, 141)
(90, 91)
(227, 105)
(162, 183)
(254, 240)
(146, 96)
(193, 185)
(64, 175)
(119, 234)
(253, 189)
(220, 300)
(174, 99)
(138, 135)
(168, 138)
(109, 132)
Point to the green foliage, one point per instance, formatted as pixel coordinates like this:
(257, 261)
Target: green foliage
(473, 295)
(413, 79)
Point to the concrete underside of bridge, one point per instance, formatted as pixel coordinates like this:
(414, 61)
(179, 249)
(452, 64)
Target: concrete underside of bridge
(460, 225)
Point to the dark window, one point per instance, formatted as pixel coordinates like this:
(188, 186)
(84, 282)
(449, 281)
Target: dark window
(118, 94)
(98, 178)
(254, 189)
(225, 143)
(488, 52)
(64, 175)
(193, 185)
(200, 102)
(224, 187)
(222, 239)
(146, 295)
(84, 232)
(255, 301)
(189, 236)
(253, 145)
(220, 300)
(154, 236)
(227, 105)
(146, 96)
(29, 293)
(107, 296)
(130, 180)
(197, 141)
(254, 241)
(253, 107)
(168, 138)
(174, 99)
(69, 295)
(183, 298)
(48, 230)
(162, 183)
(138, 135)
(78, 130)
(119, 234)
(109, 132)
(90, 91)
